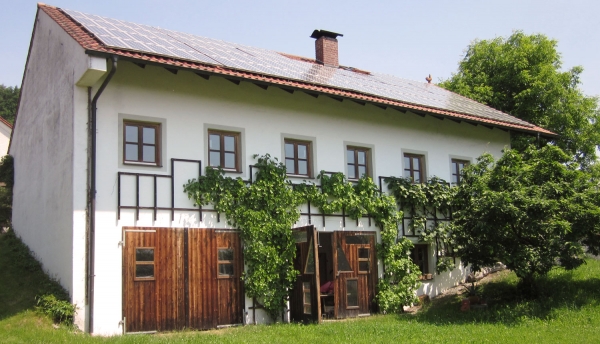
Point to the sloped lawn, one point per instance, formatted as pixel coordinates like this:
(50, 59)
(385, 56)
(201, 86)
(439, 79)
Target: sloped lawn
(567, 310)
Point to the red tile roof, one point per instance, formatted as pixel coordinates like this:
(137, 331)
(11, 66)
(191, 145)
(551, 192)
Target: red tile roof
(7, 123)
(93, 45)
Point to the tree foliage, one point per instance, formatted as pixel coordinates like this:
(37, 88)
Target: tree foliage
(530, 211)
(6, 177)
(521, 75)
(9, 97)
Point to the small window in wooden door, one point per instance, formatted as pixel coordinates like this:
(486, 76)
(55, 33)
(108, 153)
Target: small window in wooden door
(309, 268)
(306, 298)
(144, 264)
(352, 293)
(225, 262)
(364, 260)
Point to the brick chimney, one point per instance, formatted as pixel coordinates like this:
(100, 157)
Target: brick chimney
(326, 47)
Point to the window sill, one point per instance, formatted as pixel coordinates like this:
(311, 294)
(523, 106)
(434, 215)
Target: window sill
(299, 176)
(226, 170)
(148, 164)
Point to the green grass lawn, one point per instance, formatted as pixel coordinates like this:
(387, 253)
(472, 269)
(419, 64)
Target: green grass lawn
(567, 310)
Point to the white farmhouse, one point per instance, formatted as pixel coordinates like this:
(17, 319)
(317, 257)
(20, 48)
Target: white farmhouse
(115, 117)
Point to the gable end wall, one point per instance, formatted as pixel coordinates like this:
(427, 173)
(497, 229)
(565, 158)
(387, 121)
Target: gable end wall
(52, 121)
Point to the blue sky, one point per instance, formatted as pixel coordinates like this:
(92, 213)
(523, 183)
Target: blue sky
(409, 39)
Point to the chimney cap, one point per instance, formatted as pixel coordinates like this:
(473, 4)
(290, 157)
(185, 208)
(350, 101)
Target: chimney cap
(320, 33)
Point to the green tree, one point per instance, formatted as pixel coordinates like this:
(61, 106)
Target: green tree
(9, 97)
(521, 75)
(531, 211)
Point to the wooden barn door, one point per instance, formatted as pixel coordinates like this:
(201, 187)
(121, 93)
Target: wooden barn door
(175, 278)
(153, 293)
(305, 300)
(215, 269)
(354, 264)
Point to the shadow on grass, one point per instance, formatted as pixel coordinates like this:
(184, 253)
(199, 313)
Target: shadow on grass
(570, 290)
(21, 277)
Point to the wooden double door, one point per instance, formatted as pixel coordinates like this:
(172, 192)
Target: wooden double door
(176, 278)
(347, 259)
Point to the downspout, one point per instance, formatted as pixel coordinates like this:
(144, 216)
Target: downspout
(92, 194)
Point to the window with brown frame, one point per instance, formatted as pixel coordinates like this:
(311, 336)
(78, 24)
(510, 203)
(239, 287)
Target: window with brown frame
(225, 262)
(351, 293)
(306, 298)
(357, 162)
(141, 143)
(144, 264)
(419, 256)
(223, 150)
(364, 260)
(414, 167)
(457, 167)
(298, 158)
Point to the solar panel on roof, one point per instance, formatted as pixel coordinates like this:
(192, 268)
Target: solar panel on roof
(147, 39)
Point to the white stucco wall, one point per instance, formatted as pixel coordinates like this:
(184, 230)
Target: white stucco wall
(187, 104)
(50, 174)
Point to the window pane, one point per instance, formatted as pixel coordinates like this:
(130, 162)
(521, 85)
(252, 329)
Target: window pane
(289, 150)
(144, 270)
(454, 179)
(406, 162)
(363, 266)
(461, 166)
(226, 269)
(225, 254)
(302, 167)
(149, 154)
(406, 173)
(417, 177)
(362, 157)
(309, 268)
(214, 142)
(289, 166)
(350, 156)
(307, 297)
(302, 151)
(229, 143)
(131, 152)
(342, 261)
(300, 236)
(149, 135)
(229, 160)
(144, 254)
(352, 293)
(351, 172)
(214, 159)
(363, 253)
(416, 165)
(362, 170)
(131, 133)
(453, 167)
(358, 239)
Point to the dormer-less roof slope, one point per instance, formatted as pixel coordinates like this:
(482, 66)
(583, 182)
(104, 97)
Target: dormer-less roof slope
(147, 44)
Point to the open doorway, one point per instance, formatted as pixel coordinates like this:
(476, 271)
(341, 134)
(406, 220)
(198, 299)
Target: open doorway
(337, 274)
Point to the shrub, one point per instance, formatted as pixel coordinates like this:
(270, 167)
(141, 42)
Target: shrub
(61, 311)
